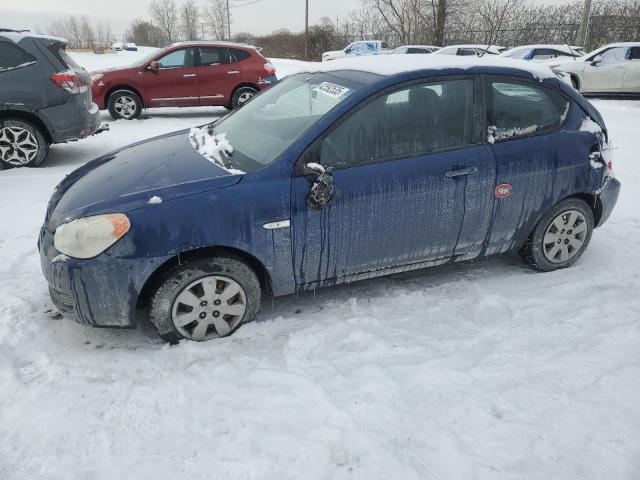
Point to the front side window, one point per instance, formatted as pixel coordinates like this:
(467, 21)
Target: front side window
(416, 120)
(212, 56)
(12, 56)
(182, 58)
(267, 125)
(613, 56)
(467, 52)
(520, 109)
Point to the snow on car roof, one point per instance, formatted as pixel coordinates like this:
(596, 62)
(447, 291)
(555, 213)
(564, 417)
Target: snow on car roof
(562, 48)
(17, 37)
(483, 46)
(393, 64)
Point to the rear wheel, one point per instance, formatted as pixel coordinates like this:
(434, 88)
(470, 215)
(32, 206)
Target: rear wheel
(124, 104)
(561, 236)
(205, 299)
(22, 144)
(242, 95)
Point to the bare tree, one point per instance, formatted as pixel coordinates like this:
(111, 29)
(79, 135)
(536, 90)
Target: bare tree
(145, 33)
(165, 14)
(215, 14)
(189, 20)
(80, 33)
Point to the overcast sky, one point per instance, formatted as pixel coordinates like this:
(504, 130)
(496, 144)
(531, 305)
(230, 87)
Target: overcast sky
(261, 17)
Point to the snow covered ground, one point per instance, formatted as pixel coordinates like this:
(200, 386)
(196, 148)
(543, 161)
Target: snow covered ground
(482, 370)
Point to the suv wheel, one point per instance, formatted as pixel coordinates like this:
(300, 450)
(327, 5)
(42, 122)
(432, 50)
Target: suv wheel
(561, 236)
(205, 299)
(21, 144)
(124, 104)
(242, 95)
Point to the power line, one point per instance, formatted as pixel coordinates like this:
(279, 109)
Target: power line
(246, 3)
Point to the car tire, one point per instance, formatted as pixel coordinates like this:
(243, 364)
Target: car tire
(124, 104)
(22, 144)
(242, 95)
(561, 236)
(205, 299)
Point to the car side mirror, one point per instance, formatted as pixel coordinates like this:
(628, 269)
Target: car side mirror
(596, 60)
(323, 190)
(153, 66)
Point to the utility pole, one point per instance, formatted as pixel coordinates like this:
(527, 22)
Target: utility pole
(229, 19)
(306, 30)
(584, 24)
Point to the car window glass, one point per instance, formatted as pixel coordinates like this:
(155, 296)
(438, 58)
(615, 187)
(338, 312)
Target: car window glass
(12, 56)
(519, 54)
(467, 52)
(417, 50)
(634, 53)
(416, 120)
(182, 58)
(544, 54)
(614, 55)
(518, 109)
(240, 55)
(212, 56)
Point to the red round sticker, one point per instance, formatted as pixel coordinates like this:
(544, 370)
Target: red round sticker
(504, 190)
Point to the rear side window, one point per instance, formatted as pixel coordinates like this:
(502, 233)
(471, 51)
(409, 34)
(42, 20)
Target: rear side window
(211, 56)
(12, 56)
(520, 109)
(467, 52)
(58, 51)
(239, 55)
(634, 53)
(417, 120)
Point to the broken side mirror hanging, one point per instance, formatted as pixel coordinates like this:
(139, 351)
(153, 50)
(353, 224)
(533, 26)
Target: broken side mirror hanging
(323, 189)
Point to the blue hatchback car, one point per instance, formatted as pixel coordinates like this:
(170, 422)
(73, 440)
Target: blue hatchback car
(365, 167)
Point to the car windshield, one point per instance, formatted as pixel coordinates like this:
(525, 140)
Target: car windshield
(264, 128)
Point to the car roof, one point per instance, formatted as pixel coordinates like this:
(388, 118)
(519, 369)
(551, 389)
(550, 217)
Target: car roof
(17, 37)
(212, 44)
(387, 65)
(562, 48)
(483, 46)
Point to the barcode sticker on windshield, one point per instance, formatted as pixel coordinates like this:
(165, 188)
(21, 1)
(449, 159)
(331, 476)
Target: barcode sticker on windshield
(332, 89)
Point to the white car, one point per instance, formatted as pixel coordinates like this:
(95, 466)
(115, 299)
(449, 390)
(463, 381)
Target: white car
(117, 46)
(543, 53)
(612, 69)
(411, 49)
(471, 50)
(361, 47)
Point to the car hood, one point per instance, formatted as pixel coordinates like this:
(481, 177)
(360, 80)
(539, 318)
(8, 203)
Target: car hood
(167, 167)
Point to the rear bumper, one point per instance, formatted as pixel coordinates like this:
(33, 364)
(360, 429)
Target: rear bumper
(72, 120)
(608, 198)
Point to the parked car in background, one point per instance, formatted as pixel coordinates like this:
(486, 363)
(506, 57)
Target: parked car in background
(542, 53)
(117, 46)
(186, 74)
(412, 49)
(130, 47)
(471, 50)
(365, 167)
(45, 98)
(611, 70)
(362, 47)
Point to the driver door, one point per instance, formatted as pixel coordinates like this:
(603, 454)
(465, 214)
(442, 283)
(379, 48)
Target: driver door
(175, 83)
(606, 75)
(413, 186)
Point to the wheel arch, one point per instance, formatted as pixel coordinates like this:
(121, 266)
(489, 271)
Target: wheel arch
(156, 278)
(30, 117)
(578, 81)
(116, 88)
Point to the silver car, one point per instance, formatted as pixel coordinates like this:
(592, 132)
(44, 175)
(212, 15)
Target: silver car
(610, 70)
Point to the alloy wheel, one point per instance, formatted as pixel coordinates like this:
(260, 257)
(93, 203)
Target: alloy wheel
(565, 236)
(209, 307)
(125, 106)
(18, 146)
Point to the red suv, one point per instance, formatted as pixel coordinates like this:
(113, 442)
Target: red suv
(187, 74)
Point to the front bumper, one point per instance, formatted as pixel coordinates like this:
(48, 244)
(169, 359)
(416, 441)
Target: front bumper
(102, 291)
(608, 196)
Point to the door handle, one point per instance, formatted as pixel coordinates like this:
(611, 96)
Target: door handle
(461, 172)
(233, 72)
(187, 75)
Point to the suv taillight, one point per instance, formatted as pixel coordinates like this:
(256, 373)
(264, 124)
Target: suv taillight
(270, 69)
(70, 81)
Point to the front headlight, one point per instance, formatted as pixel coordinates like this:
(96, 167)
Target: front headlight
(88, 237)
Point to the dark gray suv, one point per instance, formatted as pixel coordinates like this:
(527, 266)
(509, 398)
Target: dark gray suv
(45, 98)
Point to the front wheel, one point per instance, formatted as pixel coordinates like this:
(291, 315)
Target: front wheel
(124, 104)
(561, 236)
(242, 95)
(205, 299)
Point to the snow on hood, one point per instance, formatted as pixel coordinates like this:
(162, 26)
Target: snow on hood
(215, 148)
(393, 64)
